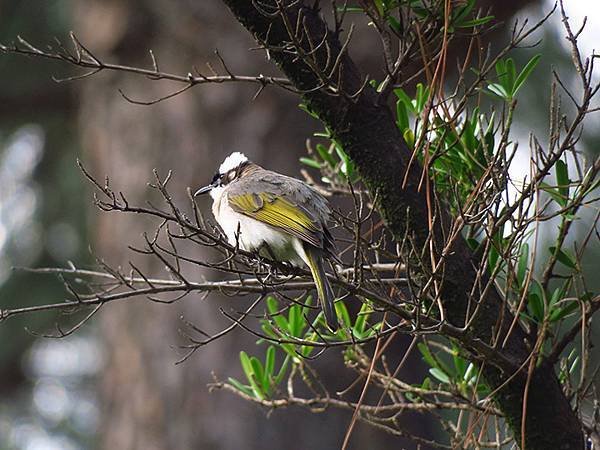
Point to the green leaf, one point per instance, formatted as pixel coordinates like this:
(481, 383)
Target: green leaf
(559, 313)
(439, 375)
(562, 181)
(562, 257)
(342, 312)
(394, 24)
(459, 363)
(470, 373)
(493, 257)
(270, 361)
(361, 318)
(347, 167)
(574, 365)
(499, 90)
(501, 73)
(535, 305)
(325, 155)
(257, 368)
(306, 307)
(250, 375)
(556, 296)
(554, 193)
(401, 115)
(304, 107)
(489, 143)
(533, 62)
(282, 370)
(427, 356)
(409, 137)
(246, 365)
(406, 100)
(473, 243)
(421, 97)
(475, 22)
(522, 264)
(240, 387)
(511, 74)
(310, 162)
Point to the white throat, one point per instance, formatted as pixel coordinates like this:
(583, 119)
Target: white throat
(216, 193)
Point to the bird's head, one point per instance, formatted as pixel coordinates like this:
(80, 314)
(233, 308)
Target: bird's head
(229, 170)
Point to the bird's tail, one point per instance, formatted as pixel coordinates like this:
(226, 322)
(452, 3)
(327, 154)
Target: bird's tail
(326, 297)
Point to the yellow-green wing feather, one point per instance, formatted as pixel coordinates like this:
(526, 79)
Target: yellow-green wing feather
(280, 213)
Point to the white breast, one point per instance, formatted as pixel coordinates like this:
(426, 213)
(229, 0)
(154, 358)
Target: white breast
(252, 235)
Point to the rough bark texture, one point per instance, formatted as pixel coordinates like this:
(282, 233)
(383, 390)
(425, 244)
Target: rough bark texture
(366, 129)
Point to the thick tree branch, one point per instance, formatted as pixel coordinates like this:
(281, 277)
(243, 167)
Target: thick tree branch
(318, 65)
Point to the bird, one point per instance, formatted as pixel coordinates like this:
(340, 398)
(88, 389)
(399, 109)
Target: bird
(276, 217)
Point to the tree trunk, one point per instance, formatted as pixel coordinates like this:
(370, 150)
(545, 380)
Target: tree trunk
(366, 129)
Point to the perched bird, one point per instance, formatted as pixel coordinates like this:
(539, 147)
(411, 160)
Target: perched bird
(276, 216)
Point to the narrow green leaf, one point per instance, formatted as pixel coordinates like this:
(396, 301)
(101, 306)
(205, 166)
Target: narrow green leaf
(535, 305)
(401, 116)
(533, 62)
(421, 97)
(562, 180)
(325, 155)
(404, 98)
(561, 312)
(246, 365)
(511, 74)
(257, 368)
(272, 304)
(439, 375)
(270, 361)
(475, 22)
(282, 370)
(523, 264)
(394, 24)
(306, 307)
(501, 72)
(460, 364)
(498, 90)
(293, 315)
(248, 368)
(574, 365)
(361, 318)
(309, 111)
(342, 312)
(471, 372)
(556, 296)
(426, 353)
(554, 193)
(310, 162)
(562, 257)
(426, 384)
(240, 387)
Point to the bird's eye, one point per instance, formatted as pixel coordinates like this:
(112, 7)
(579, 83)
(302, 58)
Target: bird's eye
(215, 178)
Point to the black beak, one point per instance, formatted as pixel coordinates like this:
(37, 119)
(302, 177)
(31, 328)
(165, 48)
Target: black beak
(204, 190)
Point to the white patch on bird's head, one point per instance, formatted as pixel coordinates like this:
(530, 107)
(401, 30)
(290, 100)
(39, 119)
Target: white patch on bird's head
(232, 161)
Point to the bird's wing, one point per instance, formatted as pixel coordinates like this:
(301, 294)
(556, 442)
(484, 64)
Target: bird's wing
(275, 200)
(279, 213)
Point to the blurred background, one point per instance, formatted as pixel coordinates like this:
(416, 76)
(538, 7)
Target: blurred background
(114, 384)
